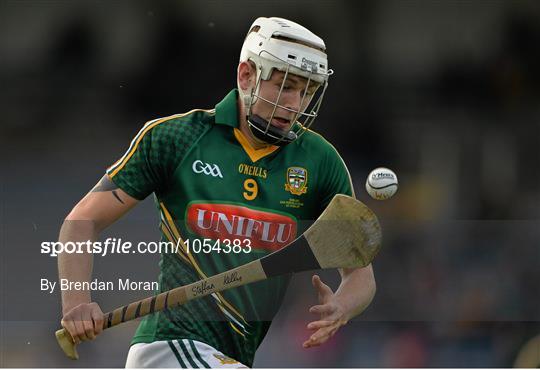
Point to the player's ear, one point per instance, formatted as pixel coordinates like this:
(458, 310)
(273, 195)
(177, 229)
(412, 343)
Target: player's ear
(246, 75)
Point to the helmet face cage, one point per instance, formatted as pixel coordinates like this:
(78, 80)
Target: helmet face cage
(303, 117)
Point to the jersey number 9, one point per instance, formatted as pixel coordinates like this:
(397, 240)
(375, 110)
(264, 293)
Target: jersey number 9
(252, 189)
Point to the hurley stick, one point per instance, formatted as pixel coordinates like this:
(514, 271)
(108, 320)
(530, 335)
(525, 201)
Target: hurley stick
(346, 234)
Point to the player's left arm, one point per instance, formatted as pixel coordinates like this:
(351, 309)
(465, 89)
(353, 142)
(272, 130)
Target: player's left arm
(352, 297)
(357, 287)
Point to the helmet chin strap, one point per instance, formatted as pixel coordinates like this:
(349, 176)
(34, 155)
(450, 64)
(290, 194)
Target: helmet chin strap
(264, 131)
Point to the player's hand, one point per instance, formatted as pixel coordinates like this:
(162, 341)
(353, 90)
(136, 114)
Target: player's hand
(83, 322)
(332, 315)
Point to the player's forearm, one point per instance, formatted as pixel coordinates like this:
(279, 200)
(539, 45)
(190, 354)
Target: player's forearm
(76, 267)
(356, 290)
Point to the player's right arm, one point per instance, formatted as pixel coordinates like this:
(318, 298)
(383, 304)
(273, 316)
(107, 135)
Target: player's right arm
(100, 208)
(145, 168)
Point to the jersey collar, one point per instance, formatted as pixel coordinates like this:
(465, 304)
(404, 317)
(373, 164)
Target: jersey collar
(227, 114)
(227, 110)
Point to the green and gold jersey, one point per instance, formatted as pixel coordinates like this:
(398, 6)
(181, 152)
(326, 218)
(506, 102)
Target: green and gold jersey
(211, 185)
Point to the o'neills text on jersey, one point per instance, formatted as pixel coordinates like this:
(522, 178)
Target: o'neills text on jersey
(247, 169)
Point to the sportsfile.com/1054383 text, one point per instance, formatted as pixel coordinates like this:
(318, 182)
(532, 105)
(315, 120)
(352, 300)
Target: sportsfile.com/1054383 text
(119, 246)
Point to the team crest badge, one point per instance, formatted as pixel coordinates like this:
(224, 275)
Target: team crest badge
(296, 180)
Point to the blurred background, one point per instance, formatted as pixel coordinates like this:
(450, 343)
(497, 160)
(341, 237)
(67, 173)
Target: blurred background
(447, 94)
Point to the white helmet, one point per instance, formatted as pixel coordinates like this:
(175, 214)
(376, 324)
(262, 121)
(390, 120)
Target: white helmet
(279, 44)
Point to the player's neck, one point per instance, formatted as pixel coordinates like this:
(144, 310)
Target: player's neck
(243, 126)
(253, 142)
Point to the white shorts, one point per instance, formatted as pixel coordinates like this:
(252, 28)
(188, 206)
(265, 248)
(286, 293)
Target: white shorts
(183, 353)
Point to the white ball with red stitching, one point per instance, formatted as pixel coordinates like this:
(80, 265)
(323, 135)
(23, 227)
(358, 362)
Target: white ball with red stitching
(382, 183)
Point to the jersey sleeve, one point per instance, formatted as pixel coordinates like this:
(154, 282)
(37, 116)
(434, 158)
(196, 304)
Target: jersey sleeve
(336, 178)
(143, 168)
(156, 151)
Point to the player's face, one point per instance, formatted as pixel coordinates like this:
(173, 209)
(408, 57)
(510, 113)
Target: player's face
(290, 98)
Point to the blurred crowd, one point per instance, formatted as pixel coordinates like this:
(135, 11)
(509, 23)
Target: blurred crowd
(444, 93)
